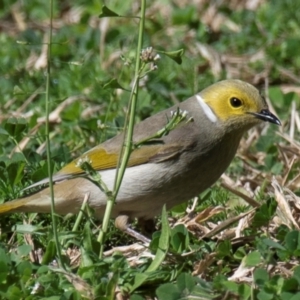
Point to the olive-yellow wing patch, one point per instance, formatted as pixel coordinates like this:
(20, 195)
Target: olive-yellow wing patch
(103, 160)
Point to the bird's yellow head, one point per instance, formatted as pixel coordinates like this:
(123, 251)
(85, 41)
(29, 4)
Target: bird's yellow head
(237, 104)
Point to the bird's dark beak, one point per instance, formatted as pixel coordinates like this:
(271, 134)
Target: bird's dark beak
(267, 116)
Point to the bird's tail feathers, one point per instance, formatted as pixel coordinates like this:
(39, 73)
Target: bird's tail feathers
(14, 205)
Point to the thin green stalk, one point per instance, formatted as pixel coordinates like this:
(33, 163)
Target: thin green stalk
(48, 73)
(81, 213)
(128, 143)
(19, 149)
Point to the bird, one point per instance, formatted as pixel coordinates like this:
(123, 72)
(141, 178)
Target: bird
(168, 170)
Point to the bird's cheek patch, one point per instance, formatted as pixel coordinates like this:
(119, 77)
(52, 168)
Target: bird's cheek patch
(207, 110)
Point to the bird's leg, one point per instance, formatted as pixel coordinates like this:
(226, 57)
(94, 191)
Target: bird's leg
(121, 223)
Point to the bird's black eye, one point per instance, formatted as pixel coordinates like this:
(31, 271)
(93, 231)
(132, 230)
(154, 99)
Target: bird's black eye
(235, 102)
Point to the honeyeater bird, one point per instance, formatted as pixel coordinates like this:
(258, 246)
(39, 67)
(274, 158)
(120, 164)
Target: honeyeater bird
(169, 170)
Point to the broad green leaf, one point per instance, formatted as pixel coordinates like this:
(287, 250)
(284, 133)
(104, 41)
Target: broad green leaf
(252, 259)
(290, 285)
(297, 273)
(224, 249)
(272, 244)
(25, 270)
(179, 238)
(24, 250)
(262, 295)
(244, 291)
(168, 291)
(260, 276)
(264, 213)
(42, 269)
(185, 282)
(26, 228)
(18, 90)
(292, 241)
(4, 270)
(14, 293)
(3, 131)
(231, 286)
(295, 296)
(112, 84)
(15, 126)
(175, 55)
(106, 12)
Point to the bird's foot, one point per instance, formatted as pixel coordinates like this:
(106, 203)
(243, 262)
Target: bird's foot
(121, 223)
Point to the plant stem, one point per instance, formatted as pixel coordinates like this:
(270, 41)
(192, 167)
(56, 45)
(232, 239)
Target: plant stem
(48, 73)
(128, 143)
